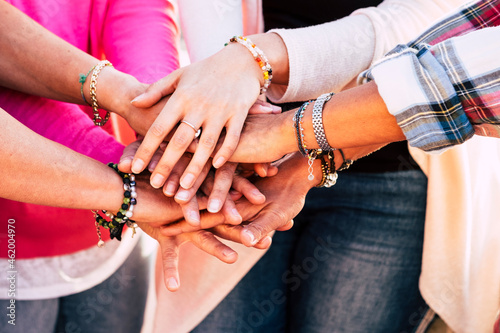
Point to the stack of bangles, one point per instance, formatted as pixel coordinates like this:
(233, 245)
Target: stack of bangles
(115, 223)
(325, 152)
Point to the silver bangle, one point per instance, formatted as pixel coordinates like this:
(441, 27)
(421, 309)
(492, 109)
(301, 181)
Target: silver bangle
(317, 120)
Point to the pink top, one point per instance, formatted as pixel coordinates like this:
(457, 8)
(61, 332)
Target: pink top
(138, 39)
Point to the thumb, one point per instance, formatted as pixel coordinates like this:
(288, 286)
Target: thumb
(156, 91)
(125, 164)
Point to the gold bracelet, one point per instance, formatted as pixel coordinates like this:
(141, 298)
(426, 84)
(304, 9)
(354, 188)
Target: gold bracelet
(98, 120)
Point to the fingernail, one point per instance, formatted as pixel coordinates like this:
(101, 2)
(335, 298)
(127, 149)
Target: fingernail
(249, 235)
(276, 109)
(170, 189)
(235, 212)
(214, 206)
(219, 162)
(182, 195)
(138, 98)
(257, 193)
(172, 283)
(227, 253)
(266, 108)
(152, 165)
(137, 166)
(194, 217)
(187, 181)
(264, 171)
(157, 181)
(266, 241)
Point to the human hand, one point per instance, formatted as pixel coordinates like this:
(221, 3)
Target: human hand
(285, 195)
(200, 97)
(220, 183)
(169, 249)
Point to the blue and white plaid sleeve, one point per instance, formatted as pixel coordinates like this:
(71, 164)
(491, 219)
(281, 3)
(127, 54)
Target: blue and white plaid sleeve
(442, 95)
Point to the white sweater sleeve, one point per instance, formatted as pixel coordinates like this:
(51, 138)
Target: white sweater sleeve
(326, 57)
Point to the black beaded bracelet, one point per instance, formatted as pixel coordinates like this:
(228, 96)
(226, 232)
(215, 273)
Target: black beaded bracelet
(115, 223)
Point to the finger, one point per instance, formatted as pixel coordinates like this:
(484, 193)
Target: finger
(230, 212)
(157, 90)
(272, 170)
(231, 139)
(125, 163)
(175, 149)
(207, 242)
(261, 107)
(286, 227)
(170, 259)
(221, 186)
(206, 146)
(233, 233)
(261, 169)
(267, 221)
(156, 157)
(235, 195)
(184, 195)
(191, 212)
(172, 182)
(155, 135)
(249, 190)
(208, 220)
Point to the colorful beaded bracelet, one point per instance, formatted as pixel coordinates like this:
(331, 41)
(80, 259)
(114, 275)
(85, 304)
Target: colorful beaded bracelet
(115, 223)
(259, 57)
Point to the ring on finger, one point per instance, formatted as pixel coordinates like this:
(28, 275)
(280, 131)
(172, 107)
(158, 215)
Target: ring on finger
(197, 132)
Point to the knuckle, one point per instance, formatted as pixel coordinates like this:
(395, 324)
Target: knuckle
(180, 141)
(145, 151)
(208, 142)
(204, 238)
(158, 130)
(170, 253)
(278, 218)
(163, 169)
(225, 174)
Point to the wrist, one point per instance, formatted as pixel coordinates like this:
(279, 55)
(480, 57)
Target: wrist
(297, 168)
(115, 90)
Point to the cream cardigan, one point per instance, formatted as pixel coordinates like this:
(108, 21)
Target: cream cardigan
(460, 277)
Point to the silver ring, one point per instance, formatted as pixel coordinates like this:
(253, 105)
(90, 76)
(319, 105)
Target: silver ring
(197, 132)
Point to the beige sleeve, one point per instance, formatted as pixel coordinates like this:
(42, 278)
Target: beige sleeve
(326, 57)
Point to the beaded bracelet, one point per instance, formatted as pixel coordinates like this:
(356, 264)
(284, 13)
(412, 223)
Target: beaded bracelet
(82, 79)
(98, 120)
(328, 168)
(259, 57)
(317, 120)
(115, 223)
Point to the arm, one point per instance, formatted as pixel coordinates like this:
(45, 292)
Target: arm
(196, 100)
(344, 48)
(54, 71)
(65, 178)
(434, 98)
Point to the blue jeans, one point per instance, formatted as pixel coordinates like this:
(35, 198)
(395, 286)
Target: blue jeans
(350, 264)
(115, 305)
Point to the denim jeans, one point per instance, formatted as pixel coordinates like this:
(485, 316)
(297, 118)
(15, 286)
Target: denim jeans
(115, 305)
(350, 264)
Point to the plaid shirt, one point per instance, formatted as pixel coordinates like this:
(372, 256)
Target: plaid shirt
(444, 87)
